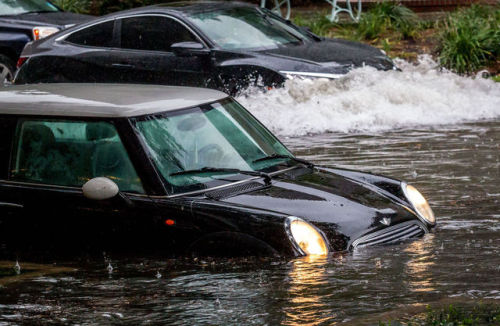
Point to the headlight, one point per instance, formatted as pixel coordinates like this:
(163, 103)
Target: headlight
(306, 237)
(419, 203)
(43, 31)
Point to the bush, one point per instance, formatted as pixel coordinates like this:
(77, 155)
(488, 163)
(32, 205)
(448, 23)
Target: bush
(470, 39)
(387, 15)
(319, 25)
(78, 6)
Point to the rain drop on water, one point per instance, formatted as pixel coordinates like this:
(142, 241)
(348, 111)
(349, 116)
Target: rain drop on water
(110, 268)
(17, 268)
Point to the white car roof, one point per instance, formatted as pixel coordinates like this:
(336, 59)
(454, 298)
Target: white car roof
(100, 100)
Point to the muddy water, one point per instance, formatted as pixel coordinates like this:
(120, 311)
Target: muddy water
(455, 164)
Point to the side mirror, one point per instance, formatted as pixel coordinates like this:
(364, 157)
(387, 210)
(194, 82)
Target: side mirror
(100, 189)
(187, 49)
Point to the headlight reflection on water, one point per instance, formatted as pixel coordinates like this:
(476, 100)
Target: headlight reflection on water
(308, 304)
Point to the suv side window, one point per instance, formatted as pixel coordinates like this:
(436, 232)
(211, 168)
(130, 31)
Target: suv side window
(153, 33)
(69, 153)
(99, 35)
(7, 125)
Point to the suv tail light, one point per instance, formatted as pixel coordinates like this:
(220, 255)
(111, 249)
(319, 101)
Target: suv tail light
(21, 61)
(43, 31)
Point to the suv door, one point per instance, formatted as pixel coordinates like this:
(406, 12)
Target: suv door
(49, 162)
(145, 54)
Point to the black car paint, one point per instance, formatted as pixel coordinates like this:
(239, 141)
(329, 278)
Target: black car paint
(17, 30)
(51, 60)
(238, 218)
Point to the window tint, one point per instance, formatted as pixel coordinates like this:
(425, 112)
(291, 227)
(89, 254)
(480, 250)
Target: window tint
(100, 35)
(153, 33)
(7, 125)
(69, 153)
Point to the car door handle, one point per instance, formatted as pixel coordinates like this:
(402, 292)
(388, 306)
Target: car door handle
(122, 65)
(11, 205)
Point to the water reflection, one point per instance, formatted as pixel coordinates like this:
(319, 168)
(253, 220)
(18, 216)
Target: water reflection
(307, 277)
(420, 265)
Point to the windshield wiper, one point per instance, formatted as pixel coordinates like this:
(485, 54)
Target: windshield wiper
(276, 156)
(267, 177)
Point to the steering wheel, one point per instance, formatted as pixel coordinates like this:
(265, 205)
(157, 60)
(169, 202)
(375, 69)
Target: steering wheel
(211, 155)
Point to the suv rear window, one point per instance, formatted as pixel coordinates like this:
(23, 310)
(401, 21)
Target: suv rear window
(100, 35)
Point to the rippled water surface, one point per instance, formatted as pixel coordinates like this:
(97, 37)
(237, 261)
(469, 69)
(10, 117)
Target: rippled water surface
(455, 162)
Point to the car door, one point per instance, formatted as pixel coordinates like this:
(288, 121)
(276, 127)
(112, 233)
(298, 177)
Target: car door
(145, 54)
(44, 206)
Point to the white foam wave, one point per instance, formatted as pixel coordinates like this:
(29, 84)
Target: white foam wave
(367, 100)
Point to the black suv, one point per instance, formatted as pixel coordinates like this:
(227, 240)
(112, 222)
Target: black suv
(22, 21)
(223, 45)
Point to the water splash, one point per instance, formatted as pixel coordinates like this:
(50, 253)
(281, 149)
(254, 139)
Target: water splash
(368, 100)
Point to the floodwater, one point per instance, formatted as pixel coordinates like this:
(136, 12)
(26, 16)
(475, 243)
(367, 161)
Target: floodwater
(440, 133)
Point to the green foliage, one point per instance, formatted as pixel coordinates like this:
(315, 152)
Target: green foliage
(480, 314)
(470, 39)
(78, 6)
(103, 7)
(387, 15)
(319, 25)
(455, 316)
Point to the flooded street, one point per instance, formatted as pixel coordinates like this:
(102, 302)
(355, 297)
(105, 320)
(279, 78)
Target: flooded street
(448, 146)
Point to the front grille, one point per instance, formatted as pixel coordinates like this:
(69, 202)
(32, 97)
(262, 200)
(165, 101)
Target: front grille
(396, 233)
(234, 190)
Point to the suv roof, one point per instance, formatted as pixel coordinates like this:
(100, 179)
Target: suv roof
(100, 100)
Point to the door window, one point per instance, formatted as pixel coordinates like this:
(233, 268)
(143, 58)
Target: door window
(153, 33)
(69, 153)
(100, 35)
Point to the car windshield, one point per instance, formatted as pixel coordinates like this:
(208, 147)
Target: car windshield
(221, 137)
(246, 27)
(17, 7)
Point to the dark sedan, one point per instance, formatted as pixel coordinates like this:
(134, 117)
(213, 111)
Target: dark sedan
(221, 45)
(22, 21)
(177, 170)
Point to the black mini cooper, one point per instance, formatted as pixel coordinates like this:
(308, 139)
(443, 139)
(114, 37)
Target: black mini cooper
(222, 45)
(178, 170)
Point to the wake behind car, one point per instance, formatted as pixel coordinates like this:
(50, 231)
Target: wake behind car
(177, 170)
(22, 21)
(222, 45)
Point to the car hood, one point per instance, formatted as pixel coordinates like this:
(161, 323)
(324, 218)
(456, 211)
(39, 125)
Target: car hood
(335, 204)
(329, 55)
(62, 19)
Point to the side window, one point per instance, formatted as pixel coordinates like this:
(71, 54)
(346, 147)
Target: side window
(153, 33)
(7, 125)
(100, 35)
(69, 153)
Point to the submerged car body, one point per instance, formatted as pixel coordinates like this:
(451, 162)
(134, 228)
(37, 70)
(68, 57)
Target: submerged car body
(177, 170)
(222, 45)
(23, 21)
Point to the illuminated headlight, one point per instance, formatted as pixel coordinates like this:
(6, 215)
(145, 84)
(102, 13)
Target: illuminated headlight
(419, 203)
(306, 237)
(300, 74)
(43, 31)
